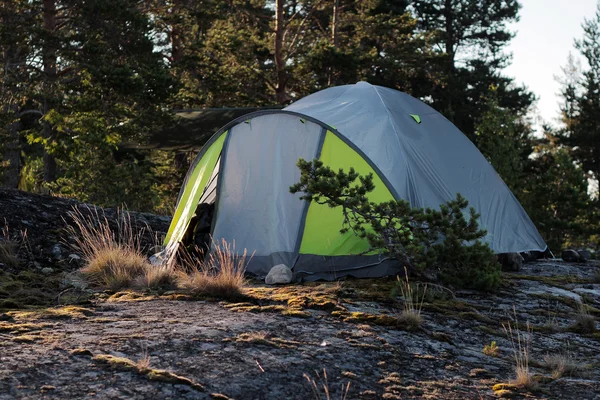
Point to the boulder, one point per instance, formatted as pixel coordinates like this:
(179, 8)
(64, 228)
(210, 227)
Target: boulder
(571, 255)
(585, 254)
(510, 261)
(279, 274)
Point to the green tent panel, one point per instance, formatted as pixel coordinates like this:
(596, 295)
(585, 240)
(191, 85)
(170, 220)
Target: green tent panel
(245, 171)
(193, 189)
(322, 228)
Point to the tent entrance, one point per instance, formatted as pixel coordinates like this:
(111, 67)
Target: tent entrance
(197, 237)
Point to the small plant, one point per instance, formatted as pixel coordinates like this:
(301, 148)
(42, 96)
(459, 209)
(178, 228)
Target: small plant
(320, 387)
(113, 257)
(560, 364)
(411, 314)
(491, 349)
(220, 275)
(521, 346)
(584, 322)
(8, 248)
(157, 278)
(143, 363)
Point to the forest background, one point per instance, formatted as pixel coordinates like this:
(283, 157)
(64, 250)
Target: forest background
(81, 78)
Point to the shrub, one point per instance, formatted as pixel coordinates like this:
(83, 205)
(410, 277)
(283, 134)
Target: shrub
(443, 242)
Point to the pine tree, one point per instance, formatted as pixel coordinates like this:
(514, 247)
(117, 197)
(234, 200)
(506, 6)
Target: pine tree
(581, 108)
(471, 35)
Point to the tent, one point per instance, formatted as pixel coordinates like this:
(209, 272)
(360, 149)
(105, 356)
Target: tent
(246, 168)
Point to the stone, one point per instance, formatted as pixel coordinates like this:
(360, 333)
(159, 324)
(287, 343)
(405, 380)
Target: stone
(571, 255)
(585, 254)
(510, 261)
(279, 274)
(47, 271)
(57, 251)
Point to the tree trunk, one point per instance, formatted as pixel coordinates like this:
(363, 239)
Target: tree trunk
(280, 90)
(12, 155)
(176, 32)
(334, 23)
(49, 60)
(331, 81)
(449, 47)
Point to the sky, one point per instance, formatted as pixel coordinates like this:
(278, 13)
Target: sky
(545, 35)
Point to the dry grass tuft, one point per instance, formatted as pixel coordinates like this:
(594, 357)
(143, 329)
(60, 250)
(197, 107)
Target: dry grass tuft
(561, 364)
(521, 346)
(584, 322)
(320, 387)
(221, 275)
(411, 313)
(160, 278)
(113, 257)
(8, 248)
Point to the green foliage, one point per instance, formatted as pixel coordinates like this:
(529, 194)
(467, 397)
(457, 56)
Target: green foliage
(441, 241)
(581, 108)
(556, 197)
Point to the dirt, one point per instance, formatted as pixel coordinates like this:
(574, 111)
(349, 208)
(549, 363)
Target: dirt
(131, 345)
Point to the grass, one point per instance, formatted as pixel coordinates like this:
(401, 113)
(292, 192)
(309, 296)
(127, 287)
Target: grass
(584, 322)
(113, 257)
(220, 276)
(411, 313)
(561, 364)
(521, 346)
(114, 260)
(8, 248)
(320, 387)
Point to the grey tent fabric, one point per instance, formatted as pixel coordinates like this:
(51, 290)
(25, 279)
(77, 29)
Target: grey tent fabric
(255, 207)
(427, 163)
(420, 155)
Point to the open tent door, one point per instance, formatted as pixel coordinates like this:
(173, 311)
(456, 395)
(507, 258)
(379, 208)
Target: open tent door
(199, 188)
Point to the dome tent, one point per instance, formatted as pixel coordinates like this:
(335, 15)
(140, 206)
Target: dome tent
(414, 153)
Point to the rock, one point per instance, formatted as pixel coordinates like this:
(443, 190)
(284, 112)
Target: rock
(571, 255)
(532, 255)
(510, 261)
(584, 254)
(279, 274)
(47, 271)
(57, 252)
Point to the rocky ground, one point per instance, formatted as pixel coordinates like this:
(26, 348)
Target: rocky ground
(80, 344)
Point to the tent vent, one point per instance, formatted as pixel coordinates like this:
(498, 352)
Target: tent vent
(416, 118)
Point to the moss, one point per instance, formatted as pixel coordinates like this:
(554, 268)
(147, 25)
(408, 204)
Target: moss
(505, 393)
(295, 313)
(126, 364)
(442, 337)
(219, 396)
(66, 312)
(21, 328)
(360, 317)
(81, 352)
(169, 377)
(349, 374)
(491, 331)
(129, 296)
(262, 338)
(25, 339)
(116, 362)
(475, 316)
